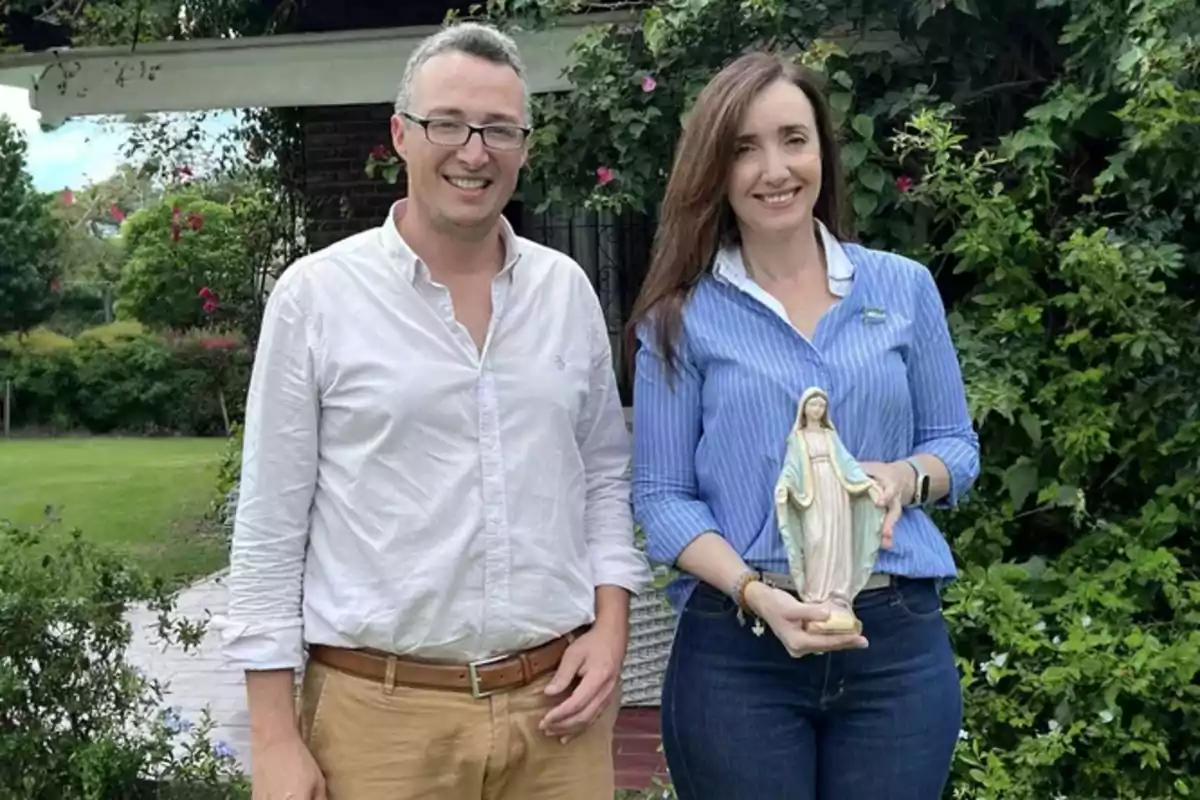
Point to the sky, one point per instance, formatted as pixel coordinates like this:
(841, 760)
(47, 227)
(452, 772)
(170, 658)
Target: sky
(79, 152)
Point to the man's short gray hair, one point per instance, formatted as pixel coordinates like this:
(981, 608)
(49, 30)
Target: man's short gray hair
(472, 38)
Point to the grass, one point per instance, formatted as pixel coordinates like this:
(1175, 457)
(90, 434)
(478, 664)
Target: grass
(145, 498)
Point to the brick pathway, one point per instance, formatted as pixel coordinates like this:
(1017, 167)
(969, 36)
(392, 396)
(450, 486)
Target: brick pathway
(196, 679)
(199, 679)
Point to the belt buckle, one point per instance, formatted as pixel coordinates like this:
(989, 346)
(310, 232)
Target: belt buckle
(473, 675)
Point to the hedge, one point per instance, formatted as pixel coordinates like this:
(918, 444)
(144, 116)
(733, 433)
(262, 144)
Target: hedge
(121, 379)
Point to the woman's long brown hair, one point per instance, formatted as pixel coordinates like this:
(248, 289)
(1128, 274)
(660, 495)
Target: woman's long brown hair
(696, 218)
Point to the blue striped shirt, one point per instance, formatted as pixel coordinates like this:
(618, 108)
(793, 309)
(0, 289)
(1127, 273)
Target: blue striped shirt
(708, 450)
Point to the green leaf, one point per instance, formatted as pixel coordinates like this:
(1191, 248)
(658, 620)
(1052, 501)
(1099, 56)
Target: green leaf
(872, 177)
(853, 155)
(653, 30)
(864, 126)
(1021, 480)
(1033, 427)
(840, 102)
(865, 204)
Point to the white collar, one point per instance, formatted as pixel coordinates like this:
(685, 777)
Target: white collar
(410, 263)
(730, 267)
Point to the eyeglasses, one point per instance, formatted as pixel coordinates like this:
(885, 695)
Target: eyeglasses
(449, 132)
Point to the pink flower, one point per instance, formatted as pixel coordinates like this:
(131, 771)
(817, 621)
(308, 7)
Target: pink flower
(67, 197)
(904, 183)
(116, 213)
(210, 306)
(185, 171)
(206, 293)
(380, 152)
(603, 175)
(648, 83)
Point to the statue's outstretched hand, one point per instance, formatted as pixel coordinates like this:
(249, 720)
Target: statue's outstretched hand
(788, 618)
(887, 491)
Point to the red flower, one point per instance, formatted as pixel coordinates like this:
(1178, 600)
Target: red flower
(206, 293)
(175, 211)
(195, 220)
(175, 231)
(603, 175)
(116, 213)
(210, 306)
(380, 152)
(904, 183)
(55, 285)
(67, 197)
(185, 171)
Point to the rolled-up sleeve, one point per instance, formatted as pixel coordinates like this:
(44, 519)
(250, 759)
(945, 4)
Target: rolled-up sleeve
(666, 430)
(263, 627)
(941, 419)
(603, 440)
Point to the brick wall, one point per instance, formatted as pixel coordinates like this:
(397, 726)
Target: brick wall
(636, 756)
(341, 199)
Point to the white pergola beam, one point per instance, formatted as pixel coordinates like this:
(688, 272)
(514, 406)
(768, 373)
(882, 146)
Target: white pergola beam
(253, 72)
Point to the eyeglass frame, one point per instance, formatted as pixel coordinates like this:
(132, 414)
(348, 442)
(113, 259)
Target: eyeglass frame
(424, 122)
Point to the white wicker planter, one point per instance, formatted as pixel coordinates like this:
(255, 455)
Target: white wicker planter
(651, 630)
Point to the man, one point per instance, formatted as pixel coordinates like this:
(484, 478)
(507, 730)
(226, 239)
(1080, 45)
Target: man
(434, 487)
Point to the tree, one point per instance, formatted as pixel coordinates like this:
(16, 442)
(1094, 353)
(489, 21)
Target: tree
(1039, 157)
(185, 260)
(28, 240)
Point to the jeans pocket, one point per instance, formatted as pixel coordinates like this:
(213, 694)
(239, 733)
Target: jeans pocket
(919, 599)
(708, 602)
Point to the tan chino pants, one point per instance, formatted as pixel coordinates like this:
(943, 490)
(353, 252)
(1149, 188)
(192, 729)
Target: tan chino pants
(444, 745)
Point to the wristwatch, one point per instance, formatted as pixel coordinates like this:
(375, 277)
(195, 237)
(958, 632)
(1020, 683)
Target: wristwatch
(921, 493)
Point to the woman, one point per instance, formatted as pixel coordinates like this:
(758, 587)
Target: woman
(753, 296)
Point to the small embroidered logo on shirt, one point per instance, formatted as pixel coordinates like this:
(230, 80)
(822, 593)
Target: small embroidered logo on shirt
(874, 315)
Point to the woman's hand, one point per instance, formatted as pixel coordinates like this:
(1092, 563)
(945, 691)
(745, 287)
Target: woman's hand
(788, 618)
(894, 483)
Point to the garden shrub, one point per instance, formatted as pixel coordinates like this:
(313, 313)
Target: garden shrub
(113, 332)
(223, 509)
(38, 340)
(76, 721)
(120, 380)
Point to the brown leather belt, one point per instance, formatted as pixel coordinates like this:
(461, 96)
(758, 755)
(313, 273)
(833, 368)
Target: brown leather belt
(480, 678)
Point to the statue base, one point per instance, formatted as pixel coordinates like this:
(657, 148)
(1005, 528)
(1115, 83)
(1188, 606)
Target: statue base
(840, 622)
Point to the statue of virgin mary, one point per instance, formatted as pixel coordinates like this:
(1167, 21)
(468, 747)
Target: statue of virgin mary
(827, 514)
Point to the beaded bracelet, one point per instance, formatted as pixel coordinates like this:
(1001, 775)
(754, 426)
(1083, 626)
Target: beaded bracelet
(739, 589)
(739, 595)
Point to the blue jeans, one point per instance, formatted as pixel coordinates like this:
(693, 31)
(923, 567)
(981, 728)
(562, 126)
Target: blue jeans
(743, 720)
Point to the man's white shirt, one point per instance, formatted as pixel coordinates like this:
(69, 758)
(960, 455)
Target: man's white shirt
(405, 492)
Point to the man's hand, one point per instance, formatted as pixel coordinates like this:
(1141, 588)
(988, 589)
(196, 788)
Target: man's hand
(285, 770)
(594, 660)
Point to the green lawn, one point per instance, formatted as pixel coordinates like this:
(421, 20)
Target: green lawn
(144, 497)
